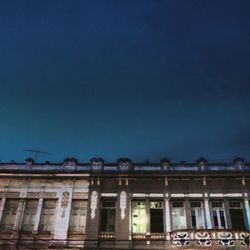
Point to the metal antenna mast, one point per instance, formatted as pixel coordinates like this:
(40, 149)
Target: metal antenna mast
(36, 153)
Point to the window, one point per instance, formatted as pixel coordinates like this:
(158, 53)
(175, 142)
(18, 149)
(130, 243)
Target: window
(9, 215)
(197, 217)
(156, 217)
(236, 215)
(108, 216)
(29, 215)
(78, 216)
(47, 219)
(218, 212)
(178, 215)
(139, 217)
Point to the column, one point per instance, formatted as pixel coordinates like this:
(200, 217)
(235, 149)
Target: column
(247, 207)
(167, 216)
(63, 213)
(19, 214)
(38, 214)
(207, 213)
(2, 207)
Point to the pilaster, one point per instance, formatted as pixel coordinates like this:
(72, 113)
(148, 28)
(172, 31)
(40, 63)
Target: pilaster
(38, 214)
(207, 212)
(63, 213)
(3, 200)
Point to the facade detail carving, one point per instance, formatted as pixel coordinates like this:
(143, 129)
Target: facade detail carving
(123, 204)
(93, 204)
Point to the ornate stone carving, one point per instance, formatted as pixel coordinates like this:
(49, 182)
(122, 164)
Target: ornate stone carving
(64, 202)
(93, 204)
(226, 238)
(245, 239)
(180, 239)
(203, 239)
(124, 164)
(97, 164)
(65, 199)
(123, 204)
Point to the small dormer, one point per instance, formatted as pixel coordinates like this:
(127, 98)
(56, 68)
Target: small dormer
(72, 162)
(238, 163)
(165, 164)
(202, 164)
(29, 161)
(124, 164)
(97, 164)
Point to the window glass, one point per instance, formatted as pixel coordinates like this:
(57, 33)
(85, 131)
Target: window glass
(48, 213)
(178, 215)
(9, 215)
(197, 217)
(218, 213)
(78, 216)
(139, 217)
(29, 215)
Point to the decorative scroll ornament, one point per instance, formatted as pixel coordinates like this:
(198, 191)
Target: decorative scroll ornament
(93, 204)
(226, 238)
(65, 199)
(181, 239)
(64, 202)
(123, 204)
(245, 239)
(203, 239)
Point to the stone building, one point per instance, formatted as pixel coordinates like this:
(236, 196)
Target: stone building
(124, 205)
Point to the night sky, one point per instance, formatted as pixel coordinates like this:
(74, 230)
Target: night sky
(144, 79)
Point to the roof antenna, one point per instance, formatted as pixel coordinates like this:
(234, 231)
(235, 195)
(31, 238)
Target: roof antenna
(36, 153)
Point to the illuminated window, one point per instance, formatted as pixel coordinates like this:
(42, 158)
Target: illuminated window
(48, 213)
(108, 216)
(9, 215)
(197, 217)
(218, 212)
(139, 217)
(236, 215)
(78, 216)
(147, 215)
(29, 215)
(178, 215)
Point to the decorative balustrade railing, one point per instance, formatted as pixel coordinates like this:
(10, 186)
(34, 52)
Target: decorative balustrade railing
(199, 238)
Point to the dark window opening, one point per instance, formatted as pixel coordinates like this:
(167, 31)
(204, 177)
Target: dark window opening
(156, 220)
(108, 216)
(215, 219)
(237, 216)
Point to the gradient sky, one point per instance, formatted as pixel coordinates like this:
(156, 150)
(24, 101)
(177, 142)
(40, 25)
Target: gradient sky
(143, 79)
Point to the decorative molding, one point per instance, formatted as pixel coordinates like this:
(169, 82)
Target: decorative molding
(155, 195)
(138, 195)
(123, 204)
(108, 194)
(93, 204)
(65, 199)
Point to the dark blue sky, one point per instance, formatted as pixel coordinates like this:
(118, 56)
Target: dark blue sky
(137, 78)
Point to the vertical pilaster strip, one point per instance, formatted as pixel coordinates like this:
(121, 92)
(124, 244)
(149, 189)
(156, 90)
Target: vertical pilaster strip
(19, 215)
(207, 213)
(63, 213)
(3, 200)
(247, 207)
(38, 214)
(167, 215)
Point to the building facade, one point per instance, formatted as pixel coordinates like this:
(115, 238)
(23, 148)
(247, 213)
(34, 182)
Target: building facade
(125, 205)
